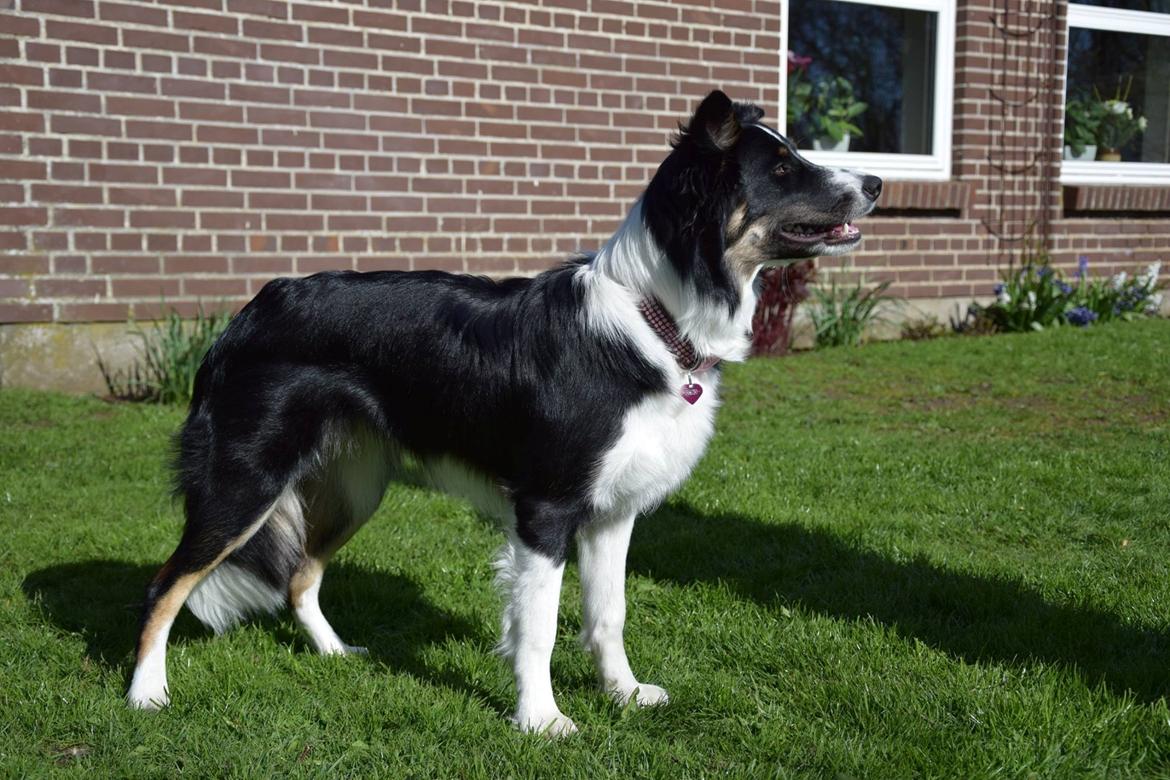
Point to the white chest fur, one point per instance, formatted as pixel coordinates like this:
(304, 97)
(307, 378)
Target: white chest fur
(661, 440)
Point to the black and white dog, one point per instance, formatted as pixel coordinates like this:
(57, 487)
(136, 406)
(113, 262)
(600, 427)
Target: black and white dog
(565, 404)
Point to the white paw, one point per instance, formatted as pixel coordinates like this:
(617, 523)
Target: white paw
(151, 701)
(340, 648)
(554, 725)
(647, 695)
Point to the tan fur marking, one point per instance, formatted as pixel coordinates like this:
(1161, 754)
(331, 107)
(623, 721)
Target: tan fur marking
(166, 608)
(736, 219)
(303, 579)
(743, 257)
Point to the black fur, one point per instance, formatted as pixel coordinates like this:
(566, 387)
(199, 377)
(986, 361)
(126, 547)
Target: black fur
(503, 376)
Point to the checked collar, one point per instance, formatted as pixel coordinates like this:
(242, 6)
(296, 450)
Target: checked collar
(660, 321)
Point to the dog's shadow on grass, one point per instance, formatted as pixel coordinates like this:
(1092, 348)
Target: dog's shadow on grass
(970, 617)
(387, 613)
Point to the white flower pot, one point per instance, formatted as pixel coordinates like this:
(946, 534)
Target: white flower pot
(1088, 153)
(829, 145)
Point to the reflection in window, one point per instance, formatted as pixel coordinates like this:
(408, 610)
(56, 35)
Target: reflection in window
(1118, 95)
(860, 77)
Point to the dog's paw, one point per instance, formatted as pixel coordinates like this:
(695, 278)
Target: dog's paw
(554, 725)
(150, 701)
(340, 648)
(647, 695)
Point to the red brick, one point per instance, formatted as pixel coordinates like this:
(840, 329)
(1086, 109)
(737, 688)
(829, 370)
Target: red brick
(25, 312)
(131, 12)
(214, 287)
(93, 312)
(70, 288)
(23, 215)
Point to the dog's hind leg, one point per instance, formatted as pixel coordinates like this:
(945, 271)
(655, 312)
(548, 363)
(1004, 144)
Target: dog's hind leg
(601, 552)
(203, 547)
(303, 591)
(339, 501)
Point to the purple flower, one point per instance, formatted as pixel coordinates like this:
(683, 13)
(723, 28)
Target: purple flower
(1082, 266)
(999, 288)
(1045, 272)
(1080, 316)
(795, 61)
(1065, 288)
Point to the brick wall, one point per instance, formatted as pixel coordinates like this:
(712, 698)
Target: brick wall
(194, 149)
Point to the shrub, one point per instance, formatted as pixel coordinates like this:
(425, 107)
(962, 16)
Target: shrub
(170, 354)
(781, 291)
(841, 315)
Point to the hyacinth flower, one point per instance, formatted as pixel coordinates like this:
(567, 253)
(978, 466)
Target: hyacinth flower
(1150, 277)
(1080, 316)
(1082, 267)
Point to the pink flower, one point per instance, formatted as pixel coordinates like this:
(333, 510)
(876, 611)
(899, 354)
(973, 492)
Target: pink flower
(795, 61)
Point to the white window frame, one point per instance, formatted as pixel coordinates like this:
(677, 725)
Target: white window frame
(904, 167)
(1094, 17)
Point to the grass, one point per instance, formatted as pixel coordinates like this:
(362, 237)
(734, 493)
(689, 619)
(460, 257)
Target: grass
(943, 559)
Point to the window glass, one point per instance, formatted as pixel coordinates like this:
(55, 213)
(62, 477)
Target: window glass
(861, 77)
(1118, 95)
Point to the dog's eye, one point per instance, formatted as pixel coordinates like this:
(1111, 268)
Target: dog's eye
(783, 169)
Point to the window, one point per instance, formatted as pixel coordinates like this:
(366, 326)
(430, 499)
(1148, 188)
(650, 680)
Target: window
(1117, 92)
(869, 84)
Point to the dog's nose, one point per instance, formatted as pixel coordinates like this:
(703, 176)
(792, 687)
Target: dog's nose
(872, 187)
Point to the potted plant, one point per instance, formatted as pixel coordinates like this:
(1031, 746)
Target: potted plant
(1082, 120)
(832, 111)
(1118, 123)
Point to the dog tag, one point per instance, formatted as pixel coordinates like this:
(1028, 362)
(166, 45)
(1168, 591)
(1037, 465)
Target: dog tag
(691, 392)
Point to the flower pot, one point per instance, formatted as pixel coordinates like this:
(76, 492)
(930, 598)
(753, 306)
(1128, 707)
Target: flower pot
(1088, 153)
(1105, 154)
(829, 145)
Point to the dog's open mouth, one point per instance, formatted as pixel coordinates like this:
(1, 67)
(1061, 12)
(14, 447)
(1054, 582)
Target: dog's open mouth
(844, 233)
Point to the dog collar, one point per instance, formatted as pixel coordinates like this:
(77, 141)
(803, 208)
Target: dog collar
(683, 349)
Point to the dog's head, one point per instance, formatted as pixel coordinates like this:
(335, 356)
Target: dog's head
(735, 194)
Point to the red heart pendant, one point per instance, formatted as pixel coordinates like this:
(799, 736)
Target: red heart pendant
(691, 392)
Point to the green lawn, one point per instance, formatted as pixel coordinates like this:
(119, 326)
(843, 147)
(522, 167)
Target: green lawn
(945, 559)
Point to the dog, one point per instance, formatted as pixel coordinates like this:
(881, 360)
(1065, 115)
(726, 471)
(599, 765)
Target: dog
(565, 404)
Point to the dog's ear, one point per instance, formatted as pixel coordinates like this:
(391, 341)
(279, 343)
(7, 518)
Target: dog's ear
(715, 122)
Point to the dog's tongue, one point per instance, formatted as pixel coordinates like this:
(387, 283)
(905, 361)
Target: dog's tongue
(845, 230)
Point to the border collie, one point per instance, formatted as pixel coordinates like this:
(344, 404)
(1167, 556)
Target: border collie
(564, 404)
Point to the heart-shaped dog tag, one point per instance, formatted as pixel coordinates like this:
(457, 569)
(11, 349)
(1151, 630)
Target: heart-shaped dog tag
(691, 392)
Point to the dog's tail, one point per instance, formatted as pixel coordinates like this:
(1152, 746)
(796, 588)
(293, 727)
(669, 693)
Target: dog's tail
(255, 578)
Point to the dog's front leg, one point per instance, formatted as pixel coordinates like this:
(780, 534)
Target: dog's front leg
(601, 547)
(532, 584)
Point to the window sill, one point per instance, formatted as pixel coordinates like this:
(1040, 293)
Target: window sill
(1116, 199)
(1072, 172)
(925, 199)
